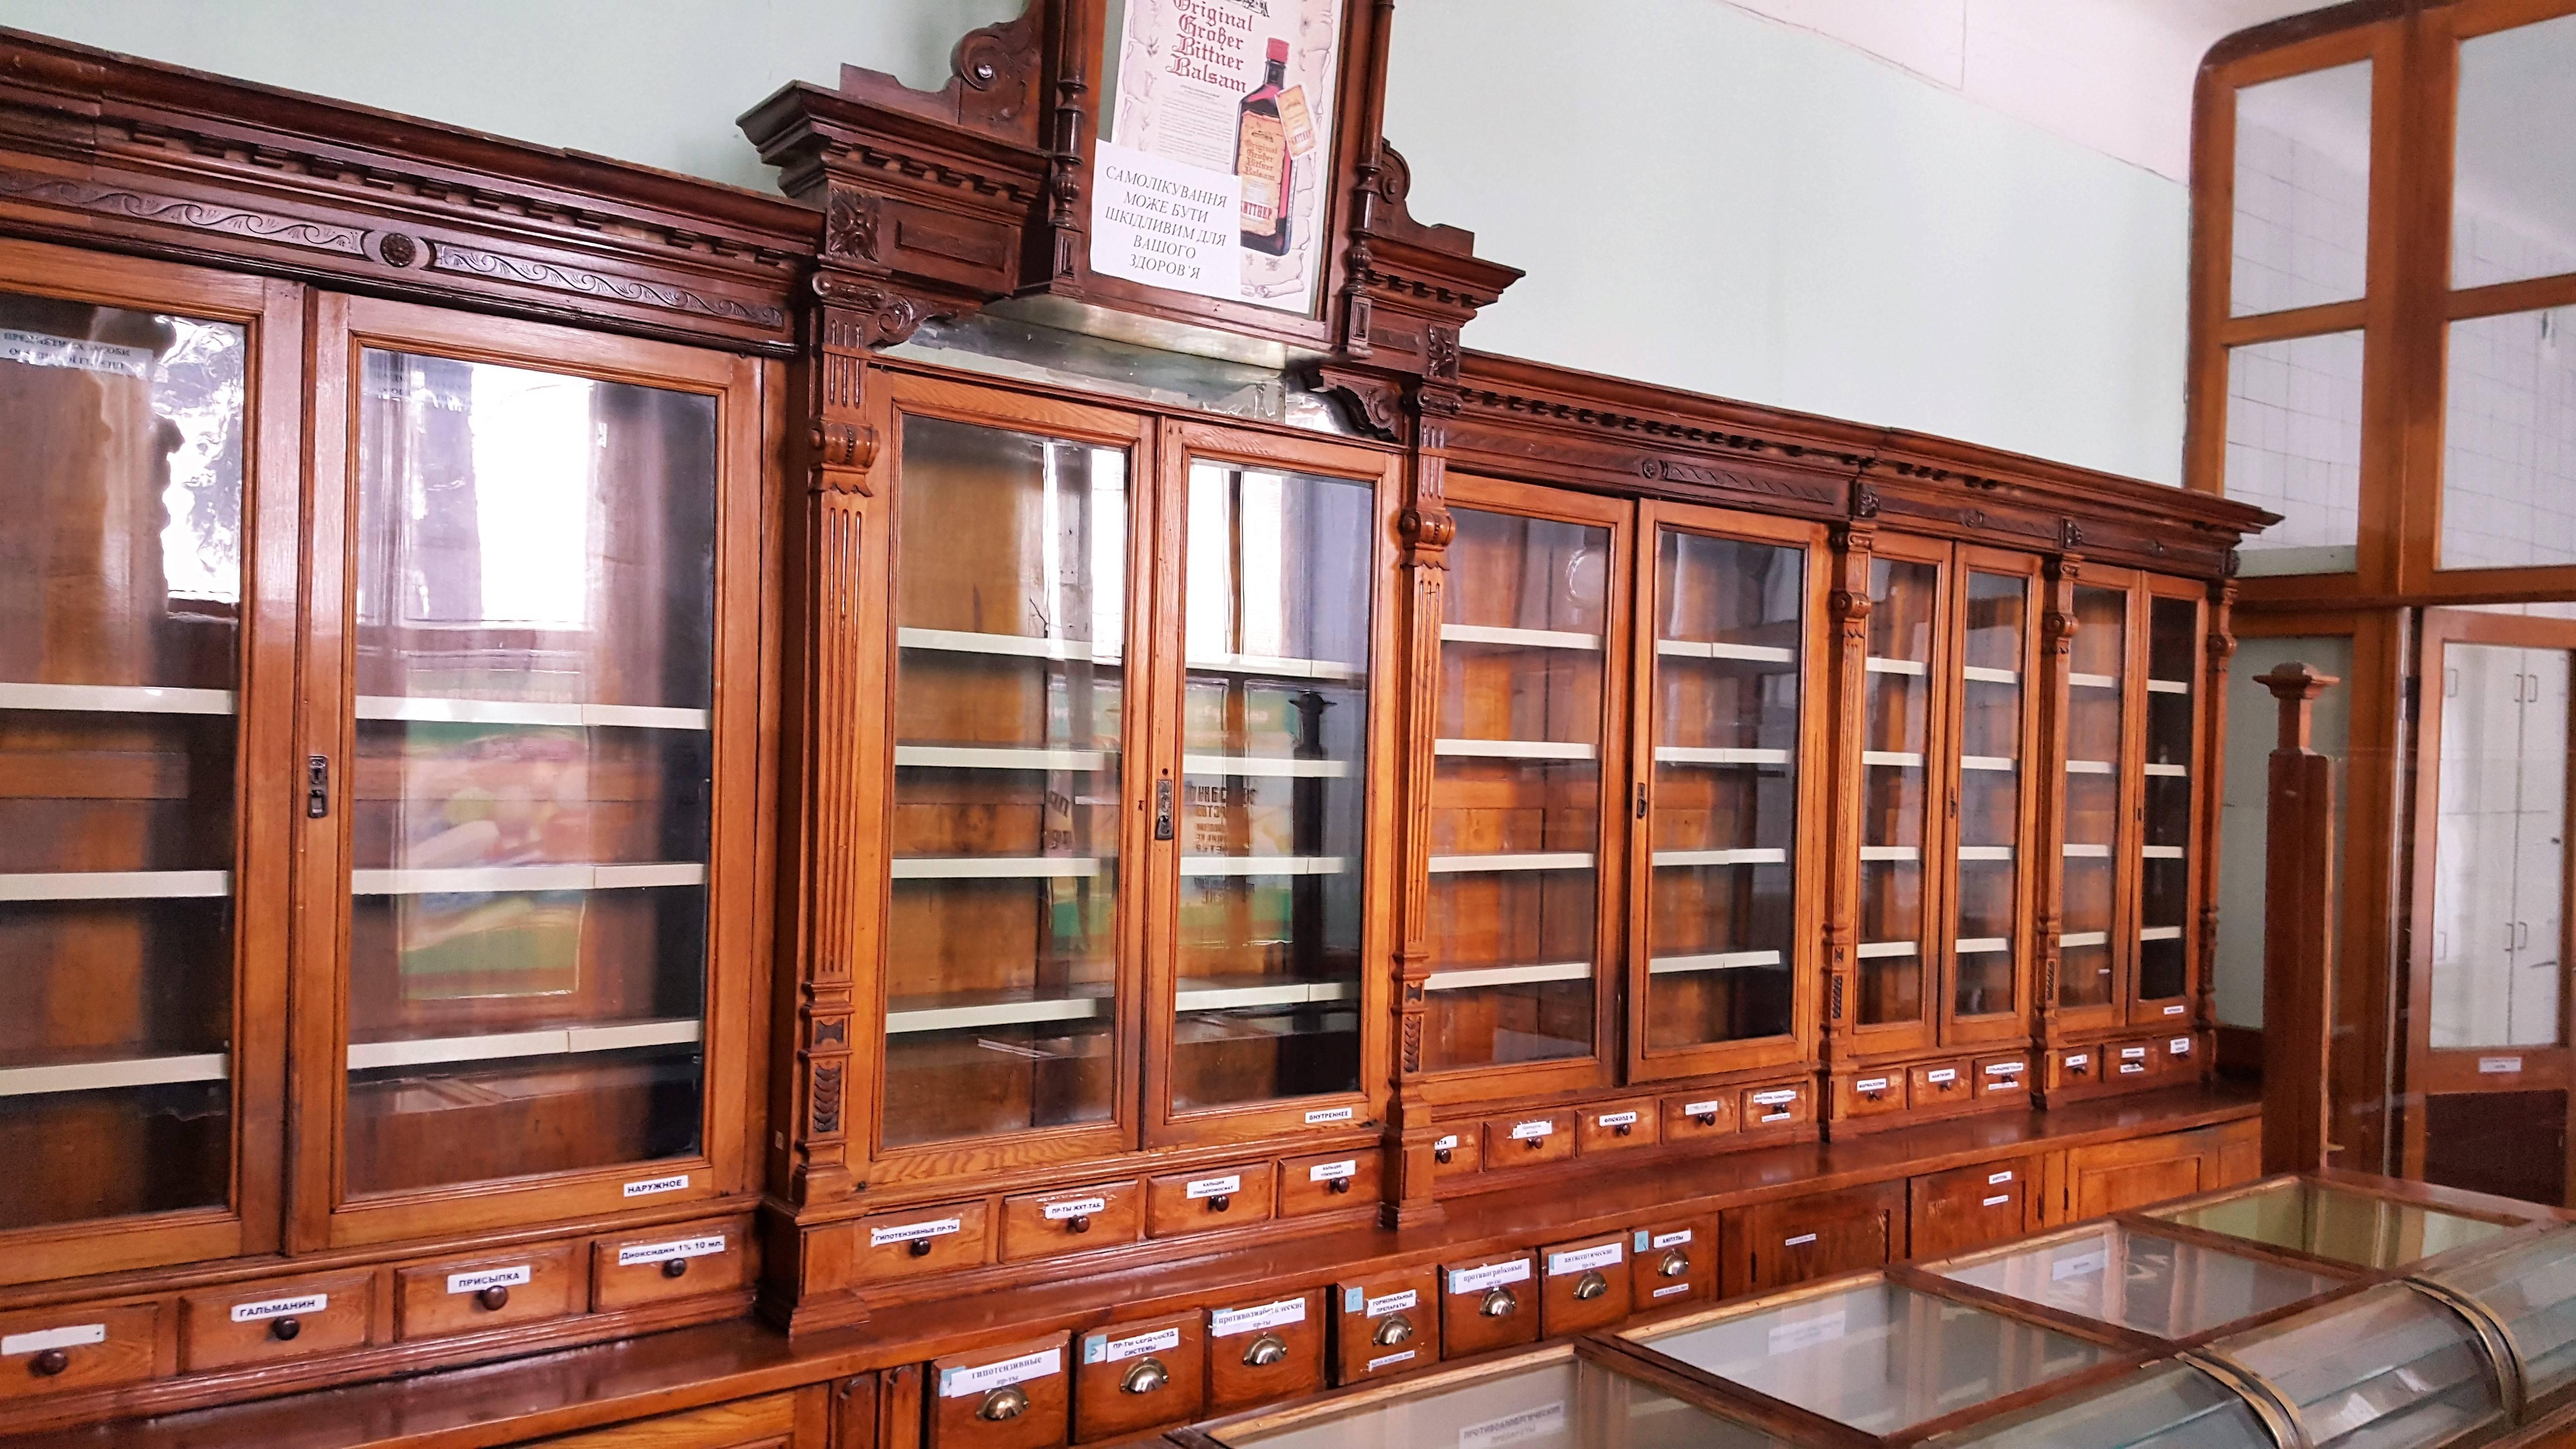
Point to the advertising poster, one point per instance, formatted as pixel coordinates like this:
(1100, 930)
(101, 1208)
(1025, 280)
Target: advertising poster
(1211, 176)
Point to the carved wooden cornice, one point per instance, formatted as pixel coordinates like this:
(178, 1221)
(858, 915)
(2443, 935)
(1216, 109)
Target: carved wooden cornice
(106, 149)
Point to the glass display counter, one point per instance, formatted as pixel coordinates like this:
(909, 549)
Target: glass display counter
(2171, 1404)
(2332, 1222)
(2528, 1290)
(2388, 1368)
(2163, 1287)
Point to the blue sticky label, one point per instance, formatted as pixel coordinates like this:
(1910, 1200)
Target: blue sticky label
(1641, 1240)
(1354, 1300)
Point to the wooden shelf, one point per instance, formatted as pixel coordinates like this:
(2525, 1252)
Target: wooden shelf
(1985, 852)
(2160, 852)
(1480, 976)
(2001, 763)
(1874, 950)
(1717, 755)
(114, 885)
(1980, 674)
(1229, 994)
(1241, 865)
(1277, 667)
(1000, 757)
(1008, 646)
(1750, 653)
(2085, 852)
(464, 879)
(1747, 855)
(1515, 750)
(1916, 668)
(2160, 933)
(103, 1076)
(966, 1011)
(996, 867)
(1715, 961)
(415, 709)
(1534, 860)
(2084, 938)
(1517, 638)
(1891, 852)
(1267, 767)
(116, 699)
(2167, 772)
(1981, 945)
(505, 1046)
(2168, 686)
(2094, 681)
(2090, 767)
(1892, 759)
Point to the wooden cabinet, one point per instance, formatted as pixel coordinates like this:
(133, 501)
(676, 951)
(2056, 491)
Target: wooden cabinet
(1969, 1207)
(1774, 1244)
(773, 1421)
(2117, 1176)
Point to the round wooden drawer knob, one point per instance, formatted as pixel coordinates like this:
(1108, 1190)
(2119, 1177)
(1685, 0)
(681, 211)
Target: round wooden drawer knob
(1706, 1119)
(1499, 1303)
(495, 1297)
(1675, 1264)
(1003, 1403)
(1078, 1224)
(1590, 1286)
(1339, 1184)
(1394, 1331)
(675, 1267)
(1144, 1377)
(1220, 1202)
(51, 1362)
(918, 1247)
(284, 1329)
(1442, 1155)
(1264, 1351)
(1534, 1143)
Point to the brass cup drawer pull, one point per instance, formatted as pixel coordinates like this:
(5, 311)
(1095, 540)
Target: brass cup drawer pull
(1397, 1329)
(1144, 1376)
(1003, 1403)
(1264, 1351)
(1676, 1263)
(1499, 1303)
(1590, 1286)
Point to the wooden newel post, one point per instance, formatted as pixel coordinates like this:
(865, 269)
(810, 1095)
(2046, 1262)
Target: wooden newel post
(2298, 931)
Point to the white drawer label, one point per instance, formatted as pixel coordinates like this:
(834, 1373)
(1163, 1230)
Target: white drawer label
(1995, 1177)
(1703, 1109)
(2082, 1265)
(652, 1185)
(1333, 1171)
(1525, 1131)
(477, 1281)
(1615, 1119)
(2173, 1011)
(2012, 1069)
(701, 1247)
(1866, 1084)
(1492, 1275)
(1382, 1360)
(1780, 1097)
(1584, 1260)
(1226, 1186)
(1998, 1200)
(1392, 1303)
(1227, 1322)
(280, 1307)
(2131, 1054)
(1099, 1348)
(2492, 1066)
(1944, 1074)
(1080, 1207)
(1671, 1240)
(1322, 1115)
(1547, 1421)
(2128, 1067)
(1445, 1144)
(2078, 1059)
(2180, 1046)
(1790, 1337)
(1800, 1241)
(958, 1382)
(910, 1232)
(75, 1336)
(1669, 1292)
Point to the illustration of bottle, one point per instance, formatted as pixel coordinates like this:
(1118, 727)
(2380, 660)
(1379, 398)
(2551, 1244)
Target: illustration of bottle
(1261, 159)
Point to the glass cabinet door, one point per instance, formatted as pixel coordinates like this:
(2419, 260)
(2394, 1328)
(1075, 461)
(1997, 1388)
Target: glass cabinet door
(1724, 719)
(1002, 944)
(1269, 927)
(1896, 943)
(1516, 799)
(140, 893)
(2095, 733)
(1991, 671)
(2172, 730)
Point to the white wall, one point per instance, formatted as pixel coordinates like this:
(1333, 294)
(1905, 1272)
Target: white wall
(1709, 200)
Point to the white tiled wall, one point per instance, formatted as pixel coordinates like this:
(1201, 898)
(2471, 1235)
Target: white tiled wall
(2509, 441)
(2294, 446)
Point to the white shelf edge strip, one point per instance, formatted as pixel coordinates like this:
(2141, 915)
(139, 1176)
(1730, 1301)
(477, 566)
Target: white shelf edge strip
(1694, 649)
(1982, 945)
(1207, 997)
(1702, 755)
(2160, 933)
(1507, 976)
(1980, 674)
(1869, 950)
(1985, 852)
(2088, 767)
(2168, 686)
(2088, 852)
(1895, 759)
(999, 1013)
(114, 885)
(106, 1076)
(996, 867)
(1001, 757)
(2084, 938)
(504, 1045)
(1891, 852)
(116, 699)
(2160, 852)
(1717, 961)
(1228, 865)
(525, 878)
(1986, 762)
(1014, 646)
(2093, 681)
(1267, 767)
(1876, 665)
(1526, 638)
(1751, 855)
(2168, 772)
(1533, 860)
(1275, 665)
(419, 709)
(1515, 750)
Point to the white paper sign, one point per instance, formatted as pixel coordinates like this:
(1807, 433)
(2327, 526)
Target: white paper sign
(1669, 1292)
(1615, 1119)
(2132, 1053)
(1702, 1109)
(1097, 1349)
(1584, 1260)
(1445, 1144)
(1998, 1200)
(1227, 1322)
(1164, 221)
(2180, 1046)
(1790, 1337)
(280, 1307)
(652, 1185)
(476, 1282)
(1383, 1360)
(1672, 1240)
(1392, 1303)
(1538, 1423)
(2493, 1066)
(2013, 1069)
(2082, 1265)
(1492, 1275)
(959, 1382)
(1800, 1241)
(1080, 1207)
(1866, 1084)
(1226, 1186)
(703, 1247)
(1945, 1074)
(935, 1228)
(1322, 1115)
(77, 1335)
(1333, 1171)
(1525, 1131)
(2078, 1059)
(36, 349)
(2175, 1010)
(1776, 1098)
(1995, 1177)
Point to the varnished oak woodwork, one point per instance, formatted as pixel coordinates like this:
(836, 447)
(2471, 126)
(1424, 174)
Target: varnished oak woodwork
(1148, 1372)
(1488, 1302)
(1774, 1245)
(2298, 932)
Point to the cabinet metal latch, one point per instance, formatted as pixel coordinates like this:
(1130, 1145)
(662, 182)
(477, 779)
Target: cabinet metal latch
(1641, 799)
(317, 786)
(1163, 809)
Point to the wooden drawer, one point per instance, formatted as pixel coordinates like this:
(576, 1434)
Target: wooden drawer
(1326, 1181)
(1488, 1303)
(1138, 1376)
(470, 1294)
(1693, 1115)
(1584, 1284)
(1017, 1396)
(1968, 1207)
(1774, 1244)
(1458, 1151)
(2075, 1067)
(1043, 1224)
(768, 1422)
(1530, 1138)
(2178, 1056)
(259, 1323)
(1672, 1263)
(77, 1346)
(1615, 1126)
(1932, 1086)
(2006, 1076)
(1385, 1324)
(1873, 1093)
(667, 1263)
(1778, 1105)
(1200, 1202)
(2132, 1061)
(2116, 1176)
(921, 1240)
(1264, 1351)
